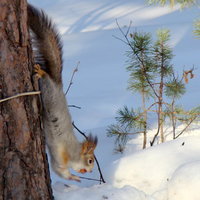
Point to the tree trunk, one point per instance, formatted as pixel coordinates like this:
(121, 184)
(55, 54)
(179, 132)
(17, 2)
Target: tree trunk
(24, 170)
(173, 119)
(145, 121)
(161, 125)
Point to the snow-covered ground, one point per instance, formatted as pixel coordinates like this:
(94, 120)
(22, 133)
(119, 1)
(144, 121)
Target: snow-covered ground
(168, 171)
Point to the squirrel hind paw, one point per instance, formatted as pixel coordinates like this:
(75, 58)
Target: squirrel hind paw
(38, 71)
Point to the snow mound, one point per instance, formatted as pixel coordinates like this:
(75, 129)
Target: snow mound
(185, 182)
(150, 170)
(98, 192)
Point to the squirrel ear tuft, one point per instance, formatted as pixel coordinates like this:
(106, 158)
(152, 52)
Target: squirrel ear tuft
(89, 145)
(92, 139)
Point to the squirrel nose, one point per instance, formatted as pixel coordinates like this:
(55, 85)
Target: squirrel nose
(82, 171)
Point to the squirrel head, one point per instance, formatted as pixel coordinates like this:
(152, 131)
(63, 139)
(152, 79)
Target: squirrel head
(87, 154)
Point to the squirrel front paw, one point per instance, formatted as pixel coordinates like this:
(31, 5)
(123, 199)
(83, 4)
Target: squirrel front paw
(74, 178)
(39, 72)
(65, 173)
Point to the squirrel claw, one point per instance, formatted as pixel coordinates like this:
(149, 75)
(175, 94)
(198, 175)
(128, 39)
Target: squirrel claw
(39, 72)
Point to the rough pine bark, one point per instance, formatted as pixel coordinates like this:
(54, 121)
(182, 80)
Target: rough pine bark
(24, 170)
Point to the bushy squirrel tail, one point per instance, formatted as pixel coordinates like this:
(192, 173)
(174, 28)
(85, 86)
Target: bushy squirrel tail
(46, 43)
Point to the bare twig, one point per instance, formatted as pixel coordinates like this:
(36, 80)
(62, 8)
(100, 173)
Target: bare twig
(118, 38)
(90, 179)
(72, 77)
(128, 29)
(186, 127)
(74, 106)
(125, 34)
(20, 95)
(98, 166)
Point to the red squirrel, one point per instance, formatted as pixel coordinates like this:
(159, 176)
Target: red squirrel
(65, 150)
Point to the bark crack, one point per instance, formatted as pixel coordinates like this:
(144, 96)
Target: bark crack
(4, 183)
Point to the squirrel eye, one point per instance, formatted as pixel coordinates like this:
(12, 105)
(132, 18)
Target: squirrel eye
(90, 161)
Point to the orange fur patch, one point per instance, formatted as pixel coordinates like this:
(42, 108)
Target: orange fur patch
(65, 157)
(88, 147)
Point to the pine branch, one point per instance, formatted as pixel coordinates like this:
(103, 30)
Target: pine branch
(141, 61)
